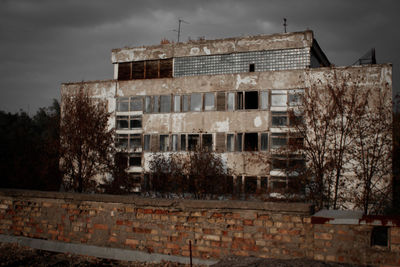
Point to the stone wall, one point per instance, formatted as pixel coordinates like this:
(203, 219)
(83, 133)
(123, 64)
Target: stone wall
(214, 228)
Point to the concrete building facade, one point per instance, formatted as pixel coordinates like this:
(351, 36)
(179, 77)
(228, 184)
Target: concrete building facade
(230, 96)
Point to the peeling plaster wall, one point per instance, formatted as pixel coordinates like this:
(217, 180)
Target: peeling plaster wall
(207, 47)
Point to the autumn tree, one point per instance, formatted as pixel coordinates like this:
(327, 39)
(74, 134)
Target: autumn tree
(87, 144)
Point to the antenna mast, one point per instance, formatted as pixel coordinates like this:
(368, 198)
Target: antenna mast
(284, 24)
(179, 27)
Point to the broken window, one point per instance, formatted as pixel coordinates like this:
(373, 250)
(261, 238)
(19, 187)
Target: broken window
(264, 142)
(135, 160)
(122, 122)
(251, 98)
(279, 118)
(195, 102)
(278, 140)
(147, 104)
(123, 104)
(177, 103)
(164, 142)
(135, 141)
(250, 185)
(183, 142)
(252, 67)
(122, 141)
(250, 141)
(295, 97)
(193, 142)
(174, 142)
(230, 142)
(136, 104)
(278, 98)
(165, 103)
(135, 122)
(238, 142)
(207, 142)
(231, 101)
(209, 101)
(264, 100)
(156, 104)
(185, 106)
(146, 142)
(239, 100)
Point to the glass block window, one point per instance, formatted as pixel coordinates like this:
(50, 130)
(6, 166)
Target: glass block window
(285, 59)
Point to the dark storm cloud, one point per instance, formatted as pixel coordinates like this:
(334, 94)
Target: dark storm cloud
(46, 42)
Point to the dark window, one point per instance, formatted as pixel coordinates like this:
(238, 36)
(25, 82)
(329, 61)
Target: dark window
(250, 141)
(250, 185)
(136, 122)
(193, 142)
(135, 160)
(264, 184)
(239, 100)
(220, 142)
(278, 140)
(251, 67)
(279, 164)
(122, 141)
(151, 69)
(166, 68)
(264, 142)
(138, 70)
(122, 122)
(238, 143)
(251, 99)
(220, 101)
(183, 142)
(230, 142)
(207, 142)
(124, 71)
(121, 160)
(135, 141)
(164, 142)
(146, 142)
(379, 236)
(279, 118)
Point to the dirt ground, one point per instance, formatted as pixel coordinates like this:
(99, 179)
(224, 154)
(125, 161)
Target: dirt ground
(15, 255)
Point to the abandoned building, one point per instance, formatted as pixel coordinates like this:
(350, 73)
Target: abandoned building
(229, 95)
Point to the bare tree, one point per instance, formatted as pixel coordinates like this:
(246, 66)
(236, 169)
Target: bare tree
(86, 142)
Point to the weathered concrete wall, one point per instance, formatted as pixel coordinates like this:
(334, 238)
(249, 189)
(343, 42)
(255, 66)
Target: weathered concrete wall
(212, 47)
(215, 228)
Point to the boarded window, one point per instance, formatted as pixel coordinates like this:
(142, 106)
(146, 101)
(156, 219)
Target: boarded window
(165, 103)
(166, 68)
(136, 104)
(230, 142)
(279, 119)
(231, 101)
(124, 71)
(239, 142)
(138, 70)
(146, 142)
(177, 103)
(164, 142)
(147, 104)
(193, 142)
(151, 69)
(183, 142)
(220, 142)
(239, 100)
(207, 142)
(251, 141)
(195, 102)
(135, 160)
(278, 98)
(185, 106)
(264, 142)
(209, 101)
(174, 142)
(264, 100)
(220, 101)
(251, 99)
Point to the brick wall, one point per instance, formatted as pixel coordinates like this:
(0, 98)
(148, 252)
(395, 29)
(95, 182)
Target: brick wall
(215, 228)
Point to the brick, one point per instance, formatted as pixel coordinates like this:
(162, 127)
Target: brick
(112, 239)
(98, 226)
(131, 242)
(3, 206)
(212, 237)
(319, 257)
(248, 222)
(331, 258)
(173, 246)
(323, 236)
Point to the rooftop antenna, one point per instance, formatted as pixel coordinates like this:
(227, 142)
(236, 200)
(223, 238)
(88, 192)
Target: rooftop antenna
(284, 24)
(179, 27)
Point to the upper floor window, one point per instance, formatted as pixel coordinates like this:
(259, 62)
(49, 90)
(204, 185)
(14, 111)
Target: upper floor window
(209, 101)
(278, 98)
(129, 103)
(195, 102)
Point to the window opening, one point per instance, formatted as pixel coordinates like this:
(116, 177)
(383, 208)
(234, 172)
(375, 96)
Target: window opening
(278, 140)
(135, 160)
(295, 97)
(123, 104)
(251, 67)
(135, 141)
(250, 141)
(207, 142)
(209, 101)
(239, 137)
(279, 118)
(136, 104)
(147, 104)
(122, 122)
(264, 184)
(183, 142)
(135, 122)
(264, 100)
(278, 98)
(151, 69)
(251, 98)
(122, 141)
(164, 143)
(195, 102)
(186, 102)
(221, 101)
(174, 142)
(146, 142)
(165, 103)
(379, 236)
(138, 70)
(250, 185)
(239, 100)
(156, 105)
(231, 101)
(177, 103)
(124, 71)
(264, 141)
(230, 142)
(193, 142)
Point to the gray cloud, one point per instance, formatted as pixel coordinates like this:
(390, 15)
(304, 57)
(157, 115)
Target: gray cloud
(46, 42)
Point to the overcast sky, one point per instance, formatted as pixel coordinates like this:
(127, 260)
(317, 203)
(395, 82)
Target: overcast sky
(44, 43)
